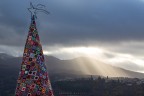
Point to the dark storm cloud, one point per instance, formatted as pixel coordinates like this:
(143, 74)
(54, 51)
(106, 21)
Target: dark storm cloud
(112, 20)
(74, 22)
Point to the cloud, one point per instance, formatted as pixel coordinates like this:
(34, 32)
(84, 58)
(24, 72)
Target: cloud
(78, 21)
(11, 50)
(124, 60)
(116, 26)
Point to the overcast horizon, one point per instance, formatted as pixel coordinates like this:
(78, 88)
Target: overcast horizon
(111, 31)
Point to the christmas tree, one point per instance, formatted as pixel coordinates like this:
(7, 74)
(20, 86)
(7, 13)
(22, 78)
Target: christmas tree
(33, 78)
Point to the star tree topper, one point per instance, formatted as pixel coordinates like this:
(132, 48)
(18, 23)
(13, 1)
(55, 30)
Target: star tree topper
(35, 9)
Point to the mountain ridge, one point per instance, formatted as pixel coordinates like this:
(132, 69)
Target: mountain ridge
(80, 65)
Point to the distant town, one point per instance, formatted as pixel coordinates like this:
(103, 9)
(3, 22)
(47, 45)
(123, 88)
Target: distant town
(81, 85)
(99, 86)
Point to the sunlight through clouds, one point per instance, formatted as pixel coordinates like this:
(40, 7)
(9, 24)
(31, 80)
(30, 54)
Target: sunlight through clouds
(128, 61)
(123, 60)
(86, 51)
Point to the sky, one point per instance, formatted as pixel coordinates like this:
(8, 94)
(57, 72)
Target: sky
(111, 31)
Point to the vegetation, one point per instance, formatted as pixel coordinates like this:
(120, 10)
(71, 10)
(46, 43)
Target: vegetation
(81, 87)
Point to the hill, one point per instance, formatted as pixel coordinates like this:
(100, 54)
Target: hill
(78, 66)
